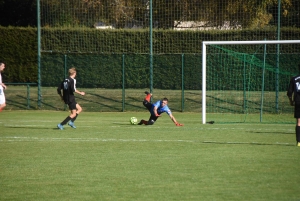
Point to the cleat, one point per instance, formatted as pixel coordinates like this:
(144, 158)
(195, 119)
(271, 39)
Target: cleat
(143, 122)
(71, 124)
(60, 127)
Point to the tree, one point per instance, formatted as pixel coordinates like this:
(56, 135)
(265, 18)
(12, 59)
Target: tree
(18, 13)
(128, 13)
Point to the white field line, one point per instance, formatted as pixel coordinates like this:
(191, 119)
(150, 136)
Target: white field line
(291, 129)
(30, 139)
(36, 139)
(127, 122)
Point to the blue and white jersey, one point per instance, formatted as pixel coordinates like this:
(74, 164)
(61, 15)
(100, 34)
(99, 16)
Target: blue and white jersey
(160, 109)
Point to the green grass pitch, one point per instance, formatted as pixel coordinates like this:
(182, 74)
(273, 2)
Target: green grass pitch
(106, 158)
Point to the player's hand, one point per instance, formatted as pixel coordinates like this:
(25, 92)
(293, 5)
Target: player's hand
(178, 124)
(157, 115)
(82, 93)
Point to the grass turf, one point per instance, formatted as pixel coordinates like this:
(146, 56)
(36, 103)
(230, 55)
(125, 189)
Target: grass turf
(106, 158)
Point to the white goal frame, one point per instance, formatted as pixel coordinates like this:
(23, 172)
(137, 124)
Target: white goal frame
(205, 43)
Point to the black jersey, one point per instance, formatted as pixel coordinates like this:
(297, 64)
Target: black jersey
(68, 86)
(294, 88)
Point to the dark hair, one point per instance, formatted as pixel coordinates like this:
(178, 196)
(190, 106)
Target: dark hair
(1, 62)
(165, 99)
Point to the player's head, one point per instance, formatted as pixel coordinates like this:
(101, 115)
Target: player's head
(2, 66)
(72, 71)
(164, 102)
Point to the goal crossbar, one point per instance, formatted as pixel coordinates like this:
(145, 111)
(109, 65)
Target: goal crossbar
(205, 43)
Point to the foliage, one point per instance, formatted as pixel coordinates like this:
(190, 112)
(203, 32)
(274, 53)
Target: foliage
(125, 13)
(104, 65)
(19, 52)
(122, 13)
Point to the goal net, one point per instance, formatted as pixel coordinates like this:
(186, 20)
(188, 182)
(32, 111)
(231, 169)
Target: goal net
(246, 81)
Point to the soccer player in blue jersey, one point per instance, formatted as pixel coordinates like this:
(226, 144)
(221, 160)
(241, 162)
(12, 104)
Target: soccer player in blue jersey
(68, 86)
(156, 109)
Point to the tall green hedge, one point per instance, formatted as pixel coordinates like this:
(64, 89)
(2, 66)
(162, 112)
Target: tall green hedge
(100, 61)
(19, 52)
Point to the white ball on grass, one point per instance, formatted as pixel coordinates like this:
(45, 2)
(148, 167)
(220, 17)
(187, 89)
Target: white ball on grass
(133, 120)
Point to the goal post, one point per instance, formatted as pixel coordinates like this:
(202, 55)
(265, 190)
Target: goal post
(204, 62)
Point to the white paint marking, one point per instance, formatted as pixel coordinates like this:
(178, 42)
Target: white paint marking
(33, 139)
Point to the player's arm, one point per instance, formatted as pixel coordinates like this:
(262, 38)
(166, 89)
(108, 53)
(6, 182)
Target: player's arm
(290, 92)
(155, 111)
(174, 120)
(3, 85)
(59, 91)
(80, 92)
(291, 101)
(74, 89)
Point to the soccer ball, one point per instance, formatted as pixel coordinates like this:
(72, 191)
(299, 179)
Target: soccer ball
(133, 120)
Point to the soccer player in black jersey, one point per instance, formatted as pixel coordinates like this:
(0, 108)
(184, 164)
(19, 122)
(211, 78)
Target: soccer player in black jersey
(293, 93)
(69, 87)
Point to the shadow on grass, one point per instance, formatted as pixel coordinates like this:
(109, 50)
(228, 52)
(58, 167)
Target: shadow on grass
(124, 124)
(234, 106)
(48, 105)
(119, 102)
(248, 143)
(16, 104)
(32, 127)
(284, 133)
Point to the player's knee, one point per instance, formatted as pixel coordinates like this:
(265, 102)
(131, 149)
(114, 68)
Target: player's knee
(151, 122)
(145, 103)
(79, 109)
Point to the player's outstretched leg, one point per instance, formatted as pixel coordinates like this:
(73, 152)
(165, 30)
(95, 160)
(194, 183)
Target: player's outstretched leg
(148, 105)
(143, 122)
(146, 101)
(149, 123)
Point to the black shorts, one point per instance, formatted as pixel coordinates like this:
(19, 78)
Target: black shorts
(72, 105)
(152, 117)
(297, 110)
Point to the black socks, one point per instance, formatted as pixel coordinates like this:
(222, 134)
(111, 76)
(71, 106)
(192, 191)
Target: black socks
(69, 118)
(74, 117)
(298, 133)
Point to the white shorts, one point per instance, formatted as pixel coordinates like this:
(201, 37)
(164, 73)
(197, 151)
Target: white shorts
(2, 96)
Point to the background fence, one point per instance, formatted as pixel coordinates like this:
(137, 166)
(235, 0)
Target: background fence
(140, 44)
